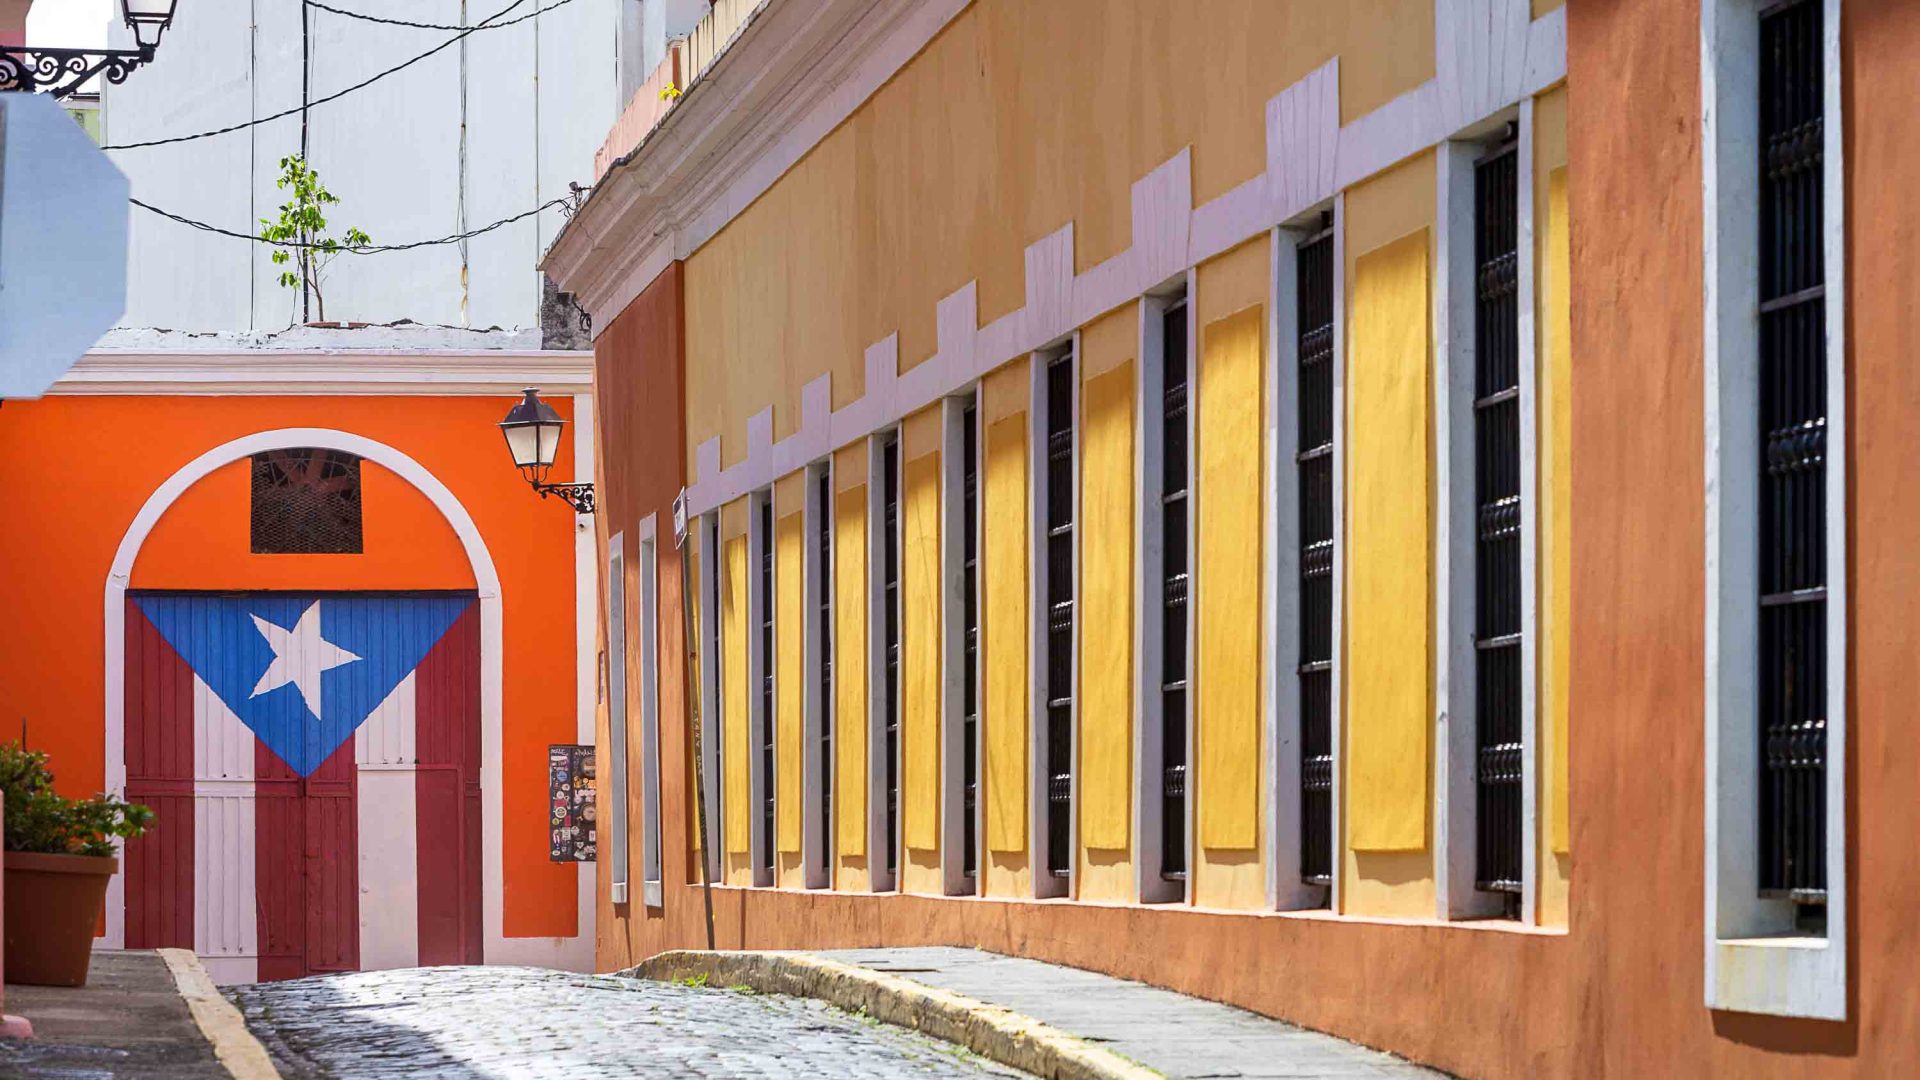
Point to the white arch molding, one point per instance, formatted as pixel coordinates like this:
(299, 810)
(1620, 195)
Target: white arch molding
(575, 952)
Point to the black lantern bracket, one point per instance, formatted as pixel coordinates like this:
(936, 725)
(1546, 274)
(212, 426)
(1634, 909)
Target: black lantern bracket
(579, 496)
(60, 72)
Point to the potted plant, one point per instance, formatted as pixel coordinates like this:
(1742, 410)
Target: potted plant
(59, 858)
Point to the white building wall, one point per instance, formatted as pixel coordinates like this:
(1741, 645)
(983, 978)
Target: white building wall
(539, 97)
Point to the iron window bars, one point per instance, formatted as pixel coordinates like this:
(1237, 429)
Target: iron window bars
(1060, 614)
(716, 801)
(1313, 464)
(970, 674)
(306, 502)
(1792, 431)
(823, 548)
(890, 544)
(764, 523)
(1499, 763)
(1175, 482)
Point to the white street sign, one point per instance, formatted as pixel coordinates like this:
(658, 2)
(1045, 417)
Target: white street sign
(63, 243)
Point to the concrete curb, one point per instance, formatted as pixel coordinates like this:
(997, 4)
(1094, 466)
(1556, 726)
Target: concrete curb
(988, 1030)
(219, 1021)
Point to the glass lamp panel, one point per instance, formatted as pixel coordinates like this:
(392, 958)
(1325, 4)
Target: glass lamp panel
(523, 441)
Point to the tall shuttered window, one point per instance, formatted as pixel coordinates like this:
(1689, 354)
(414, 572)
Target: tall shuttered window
(823, 574)
(763, 642)
(970, 671)
(1060, 407)
(616, 691)
(717, 681)
(1792, 483)
(1175, 481)
(651, 833)
(1497, 600)
(1313, 463)
(890, 600)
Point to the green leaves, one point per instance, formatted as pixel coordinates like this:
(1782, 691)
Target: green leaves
(302, 227)
(40, 819)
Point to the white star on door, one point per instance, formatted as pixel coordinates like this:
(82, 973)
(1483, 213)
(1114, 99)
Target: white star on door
(299, 657)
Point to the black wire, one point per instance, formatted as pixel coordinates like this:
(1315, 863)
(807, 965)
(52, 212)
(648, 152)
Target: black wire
(389, 22)
(364, 249)
(484, 24)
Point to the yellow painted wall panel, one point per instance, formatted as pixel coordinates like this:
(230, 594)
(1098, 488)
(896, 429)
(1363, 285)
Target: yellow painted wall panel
(789, 543)
(1228, 559)
(1004, 632)
(733, 630)
(1559, 494)
(1389, 573)
(983, 144)
(920, 652)
(850, 669)
(1106, 608)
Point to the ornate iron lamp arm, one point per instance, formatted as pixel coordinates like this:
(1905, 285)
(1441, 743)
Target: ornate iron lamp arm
(579, 496)
(62, 71)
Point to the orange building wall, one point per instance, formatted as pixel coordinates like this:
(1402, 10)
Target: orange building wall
(1638, 560)
(76, 470)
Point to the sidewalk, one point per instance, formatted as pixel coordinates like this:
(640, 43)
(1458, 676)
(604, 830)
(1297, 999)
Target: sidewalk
(1170, 1033)
(128, 1021)
(1046, 1018)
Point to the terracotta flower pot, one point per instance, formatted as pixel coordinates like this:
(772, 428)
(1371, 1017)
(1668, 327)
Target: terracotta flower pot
(53, 905)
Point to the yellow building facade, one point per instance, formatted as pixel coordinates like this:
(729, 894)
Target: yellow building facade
(1037, 185)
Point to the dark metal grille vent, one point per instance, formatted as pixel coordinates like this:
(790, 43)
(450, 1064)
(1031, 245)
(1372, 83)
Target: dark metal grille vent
(1060, 595)
(1313, 463)
(890, 530)
(970, 675)
(1174, 484)
(1793, 481)
(824, 552)
(765, 522)
(306, 502)
(1496, 410)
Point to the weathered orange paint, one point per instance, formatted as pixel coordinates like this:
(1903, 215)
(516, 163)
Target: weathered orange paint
(76, 470)
(406, 543)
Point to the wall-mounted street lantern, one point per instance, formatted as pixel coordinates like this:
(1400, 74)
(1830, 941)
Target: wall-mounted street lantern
(62, 71)
(533, 431)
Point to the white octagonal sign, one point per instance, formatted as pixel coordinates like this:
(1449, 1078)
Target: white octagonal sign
(63, 243)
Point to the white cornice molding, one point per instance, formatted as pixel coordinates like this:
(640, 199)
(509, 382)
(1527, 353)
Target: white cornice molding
(793, 73)
(326, 372)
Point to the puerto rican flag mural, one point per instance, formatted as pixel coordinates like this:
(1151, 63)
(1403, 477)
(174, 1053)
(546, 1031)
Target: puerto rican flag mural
(314, 764)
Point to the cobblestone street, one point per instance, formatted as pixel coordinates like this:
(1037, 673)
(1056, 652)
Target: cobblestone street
(523, 1022)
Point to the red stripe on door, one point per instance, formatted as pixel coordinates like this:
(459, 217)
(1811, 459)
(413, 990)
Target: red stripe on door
(307, 852)
(447, 794)
(159, 755)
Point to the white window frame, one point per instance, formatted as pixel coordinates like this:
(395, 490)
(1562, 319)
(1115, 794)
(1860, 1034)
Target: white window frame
(651, 837)
(1456, 797)
(761, 663)
(1755, 960)
(1285, 890)
(1045, 884)
(816, 776)
(877, 833)
(712, 724)
(953, 648)
(1149, 817)
(616, 613)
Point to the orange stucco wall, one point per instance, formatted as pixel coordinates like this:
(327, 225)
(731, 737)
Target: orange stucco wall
(76, 470)
(1638, 560)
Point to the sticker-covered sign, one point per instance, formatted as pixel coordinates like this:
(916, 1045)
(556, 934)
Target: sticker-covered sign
(570, 803)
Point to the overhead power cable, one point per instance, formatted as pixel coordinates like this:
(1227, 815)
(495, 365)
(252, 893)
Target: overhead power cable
(365, 249)
(487, 23)
(364, 17)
